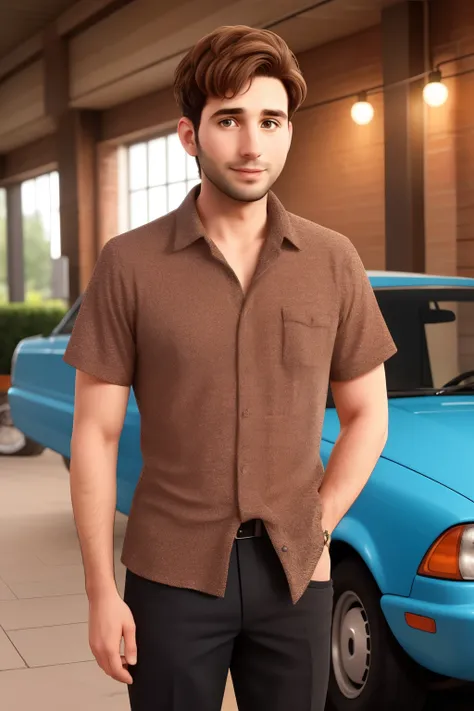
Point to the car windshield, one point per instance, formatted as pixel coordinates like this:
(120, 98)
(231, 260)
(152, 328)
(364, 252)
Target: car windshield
(433, 329)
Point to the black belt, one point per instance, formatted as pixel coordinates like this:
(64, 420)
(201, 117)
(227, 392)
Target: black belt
(251, 529)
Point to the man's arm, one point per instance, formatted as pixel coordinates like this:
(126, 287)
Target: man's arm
(99, 415)
(362, 408)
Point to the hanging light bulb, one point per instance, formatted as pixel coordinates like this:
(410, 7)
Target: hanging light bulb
(362, 111)
(435, 93)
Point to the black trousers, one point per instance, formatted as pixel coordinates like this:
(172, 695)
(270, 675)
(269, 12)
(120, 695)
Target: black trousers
(187, 641)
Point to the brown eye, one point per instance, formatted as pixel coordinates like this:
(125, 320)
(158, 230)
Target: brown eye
(225, 121)
(272, 124)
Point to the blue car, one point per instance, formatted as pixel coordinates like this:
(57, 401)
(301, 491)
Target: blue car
(403, 556)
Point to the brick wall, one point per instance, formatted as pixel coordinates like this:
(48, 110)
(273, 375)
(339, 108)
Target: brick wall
(450, 160)
(450, 146)
(335, 170)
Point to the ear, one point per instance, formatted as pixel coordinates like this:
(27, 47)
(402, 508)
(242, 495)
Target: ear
(290, 132)
(187, 136)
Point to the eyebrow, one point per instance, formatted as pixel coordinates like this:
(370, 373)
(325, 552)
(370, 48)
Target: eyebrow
(239, 111)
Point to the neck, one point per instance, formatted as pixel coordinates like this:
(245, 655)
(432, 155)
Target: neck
(228, 220)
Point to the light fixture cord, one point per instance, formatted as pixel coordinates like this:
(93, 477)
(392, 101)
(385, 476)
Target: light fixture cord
(427, 36)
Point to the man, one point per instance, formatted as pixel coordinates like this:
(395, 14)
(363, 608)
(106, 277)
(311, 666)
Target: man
(229, 317)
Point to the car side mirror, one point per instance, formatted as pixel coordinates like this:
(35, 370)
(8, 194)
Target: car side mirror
(438, 315)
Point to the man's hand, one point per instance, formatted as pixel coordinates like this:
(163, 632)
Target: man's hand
(110, 619)
(322, 571)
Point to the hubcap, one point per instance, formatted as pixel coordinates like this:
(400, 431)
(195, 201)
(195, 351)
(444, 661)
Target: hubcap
(351, 646)
(11, 439)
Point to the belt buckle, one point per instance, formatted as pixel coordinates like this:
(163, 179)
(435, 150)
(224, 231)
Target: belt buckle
(257, 531)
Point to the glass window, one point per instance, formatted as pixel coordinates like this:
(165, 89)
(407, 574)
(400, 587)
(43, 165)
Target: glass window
(41, 234)
(3, 246)
(434, 332)
(137, 166)
(69, 325)
(191, 167)
(138, 208)
(157, 202)
(433, 329)
(157, 161)
(176, 160)
(65, 326)
(176, 195)
(160, 174)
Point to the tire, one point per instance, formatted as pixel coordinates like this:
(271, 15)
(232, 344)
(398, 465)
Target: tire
(14, 443)
(369, 670)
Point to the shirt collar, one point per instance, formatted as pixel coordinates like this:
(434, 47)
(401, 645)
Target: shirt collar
(189, 228)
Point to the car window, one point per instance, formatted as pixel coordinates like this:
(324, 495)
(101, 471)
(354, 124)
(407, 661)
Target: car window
(434, 333)
(65, 326)
(69, 324)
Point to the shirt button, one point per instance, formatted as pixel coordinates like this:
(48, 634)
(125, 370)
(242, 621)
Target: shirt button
(284, 549)
(245, 413)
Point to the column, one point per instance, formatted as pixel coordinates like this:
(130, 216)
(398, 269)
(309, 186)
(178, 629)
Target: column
(15, 270)
(77, 136)
(403, 57)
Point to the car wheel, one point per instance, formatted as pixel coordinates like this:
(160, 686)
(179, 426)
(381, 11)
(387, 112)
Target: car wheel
(369, 670)
(14, 443)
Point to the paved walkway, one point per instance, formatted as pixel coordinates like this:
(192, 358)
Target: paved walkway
(45, 660)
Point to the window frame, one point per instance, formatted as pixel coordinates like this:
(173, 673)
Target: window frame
(427, 292)
(128, 192)
(71, 314)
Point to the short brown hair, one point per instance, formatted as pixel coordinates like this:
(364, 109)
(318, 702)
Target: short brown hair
(225, 60)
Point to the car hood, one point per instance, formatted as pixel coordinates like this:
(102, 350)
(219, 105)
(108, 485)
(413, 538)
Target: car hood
(432, 435)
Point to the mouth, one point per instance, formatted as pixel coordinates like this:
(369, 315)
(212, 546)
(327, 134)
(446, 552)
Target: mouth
(248, 171)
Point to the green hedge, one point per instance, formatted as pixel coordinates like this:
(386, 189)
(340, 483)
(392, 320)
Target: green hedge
(20, 320)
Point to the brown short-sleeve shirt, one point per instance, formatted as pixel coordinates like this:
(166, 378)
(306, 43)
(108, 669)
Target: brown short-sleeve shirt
(231, 389)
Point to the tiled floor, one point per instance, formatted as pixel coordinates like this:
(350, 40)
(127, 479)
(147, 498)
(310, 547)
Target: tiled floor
(45, 660)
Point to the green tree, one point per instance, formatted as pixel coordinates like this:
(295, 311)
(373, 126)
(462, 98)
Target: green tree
(37, 257)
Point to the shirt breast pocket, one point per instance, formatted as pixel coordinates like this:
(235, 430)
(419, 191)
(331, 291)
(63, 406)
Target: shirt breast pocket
(307, 337)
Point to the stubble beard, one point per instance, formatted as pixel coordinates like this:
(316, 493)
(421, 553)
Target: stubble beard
(217, 179)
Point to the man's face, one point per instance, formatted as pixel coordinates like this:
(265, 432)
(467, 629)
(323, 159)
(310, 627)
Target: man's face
(243, 142)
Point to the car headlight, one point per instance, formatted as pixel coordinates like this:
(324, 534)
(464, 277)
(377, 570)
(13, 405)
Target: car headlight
(451, 556)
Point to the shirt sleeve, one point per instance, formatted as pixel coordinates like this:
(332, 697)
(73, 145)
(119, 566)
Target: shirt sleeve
(363, 340)
(102, 342)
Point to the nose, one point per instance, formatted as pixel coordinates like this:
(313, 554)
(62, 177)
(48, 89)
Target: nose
(250, 144)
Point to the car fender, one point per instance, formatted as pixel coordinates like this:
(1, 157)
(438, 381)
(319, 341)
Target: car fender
(394, 521)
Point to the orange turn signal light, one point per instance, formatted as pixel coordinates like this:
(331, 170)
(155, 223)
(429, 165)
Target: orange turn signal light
(418, 622)
(442, 559)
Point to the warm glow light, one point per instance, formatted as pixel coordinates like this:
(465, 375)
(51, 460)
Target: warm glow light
(362, 112)
(435, 93)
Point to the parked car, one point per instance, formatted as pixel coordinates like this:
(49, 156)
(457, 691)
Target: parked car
(403, 556)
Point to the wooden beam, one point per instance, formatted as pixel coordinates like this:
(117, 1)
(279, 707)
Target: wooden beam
(141, 117)
(21, 56)
(403, 57)
(29, 161)
(86, 13)
(78, 17)
(15, 271)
